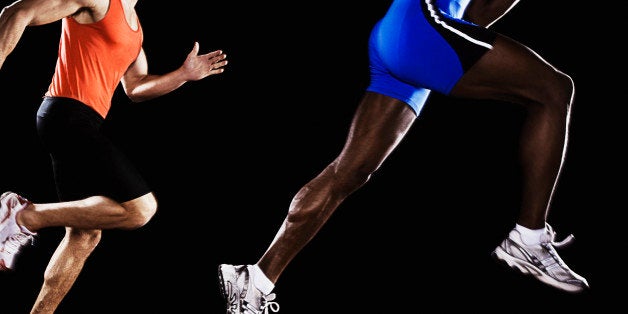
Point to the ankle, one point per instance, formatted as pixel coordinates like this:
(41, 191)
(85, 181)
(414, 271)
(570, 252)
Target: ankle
(22, 220)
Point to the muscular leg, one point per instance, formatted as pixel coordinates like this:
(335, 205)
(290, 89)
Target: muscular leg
(379, 124)
(64, 267)
(96, 212)
(512, 72)
(79, 242)
(366, 148)
(509, 72)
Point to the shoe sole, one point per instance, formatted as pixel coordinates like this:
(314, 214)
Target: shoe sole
(3, 265)
(529, 269)
(223, 292)
(2, 197)
(221, 283)
(3, 222)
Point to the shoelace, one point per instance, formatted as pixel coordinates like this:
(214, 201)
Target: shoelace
(266, 305)
(551, 244)
(269, 304)
(552, 235)
(13, 243)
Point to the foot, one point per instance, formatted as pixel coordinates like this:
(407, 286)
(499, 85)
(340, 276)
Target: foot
(12, 237)
(10, 205)
(10, 249)
(541, 260)
(240, 294)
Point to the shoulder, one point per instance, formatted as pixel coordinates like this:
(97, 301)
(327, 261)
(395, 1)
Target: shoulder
(88, 11)
(40, 12)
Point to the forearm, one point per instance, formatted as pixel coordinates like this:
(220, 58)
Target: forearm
(141, 86)
(152, 86)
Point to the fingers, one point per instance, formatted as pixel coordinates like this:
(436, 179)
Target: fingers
(208, 64)
(217, 65)
(214, 56)
(213, 53)
(195, 48)
(218, 60)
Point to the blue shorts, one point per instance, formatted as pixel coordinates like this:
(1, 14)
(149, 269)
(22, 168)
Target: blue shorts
(423, 45)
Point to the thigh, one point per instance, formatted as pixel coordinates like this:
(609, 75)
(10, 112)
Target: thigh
(512, 72)
(378, 126)
(85, 162)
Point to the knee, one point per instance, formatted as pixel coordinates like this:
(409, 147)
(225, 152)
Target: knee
(565, 96)
(348, 177)
(558, 96)
(83, 240)
(321, 196)
(356, 179)
(76, 247)
(141, 211)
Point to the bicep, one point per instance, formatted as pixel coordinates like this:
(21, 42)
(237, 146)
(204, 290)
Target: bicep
(136, 71)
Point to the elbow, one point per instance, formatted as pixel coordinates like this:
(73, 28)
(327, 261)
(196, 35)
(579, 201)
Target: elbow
(137, 91)
(18, 13)
(137, 95)
(9, 10)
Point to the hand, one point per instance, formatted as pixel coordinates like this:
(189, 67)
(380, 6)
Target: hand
(197, 66)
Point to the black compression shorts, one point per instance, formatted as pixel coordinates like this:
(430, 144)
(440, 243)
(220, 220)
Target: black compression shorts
(85, 162)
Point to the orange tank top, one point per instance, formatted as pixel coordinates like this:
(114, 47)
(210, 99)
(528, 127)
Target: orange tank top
(93, 57)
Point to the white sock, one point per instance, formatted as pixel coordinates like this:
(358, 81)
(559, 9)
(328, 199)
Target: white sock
(530, 236)
(260, 281)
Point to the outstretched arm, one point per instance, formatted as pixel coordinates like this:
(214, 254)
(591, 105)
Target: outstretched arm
(15, 17)
(141, 86)
(487, 12)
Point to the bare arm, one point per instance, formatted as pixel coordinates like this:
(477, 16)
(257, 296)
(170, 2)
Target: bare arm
(15, 17)
(139, 85)
(487, 12)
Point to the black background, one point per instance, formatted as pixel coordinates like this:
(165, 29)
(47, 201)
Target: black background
(226, 154)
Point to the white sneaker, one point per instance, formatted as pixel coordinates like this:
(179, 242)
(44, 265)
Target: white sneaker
(10, 205)
(541, 260)
(12, 237)
(10, 249)
(240, 294)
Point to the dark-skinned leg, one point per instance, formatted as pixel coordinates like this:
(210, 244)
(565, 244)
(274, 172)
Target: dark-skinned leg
(486, 13)
(511, 72)
(366, 148)
(379, 124)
